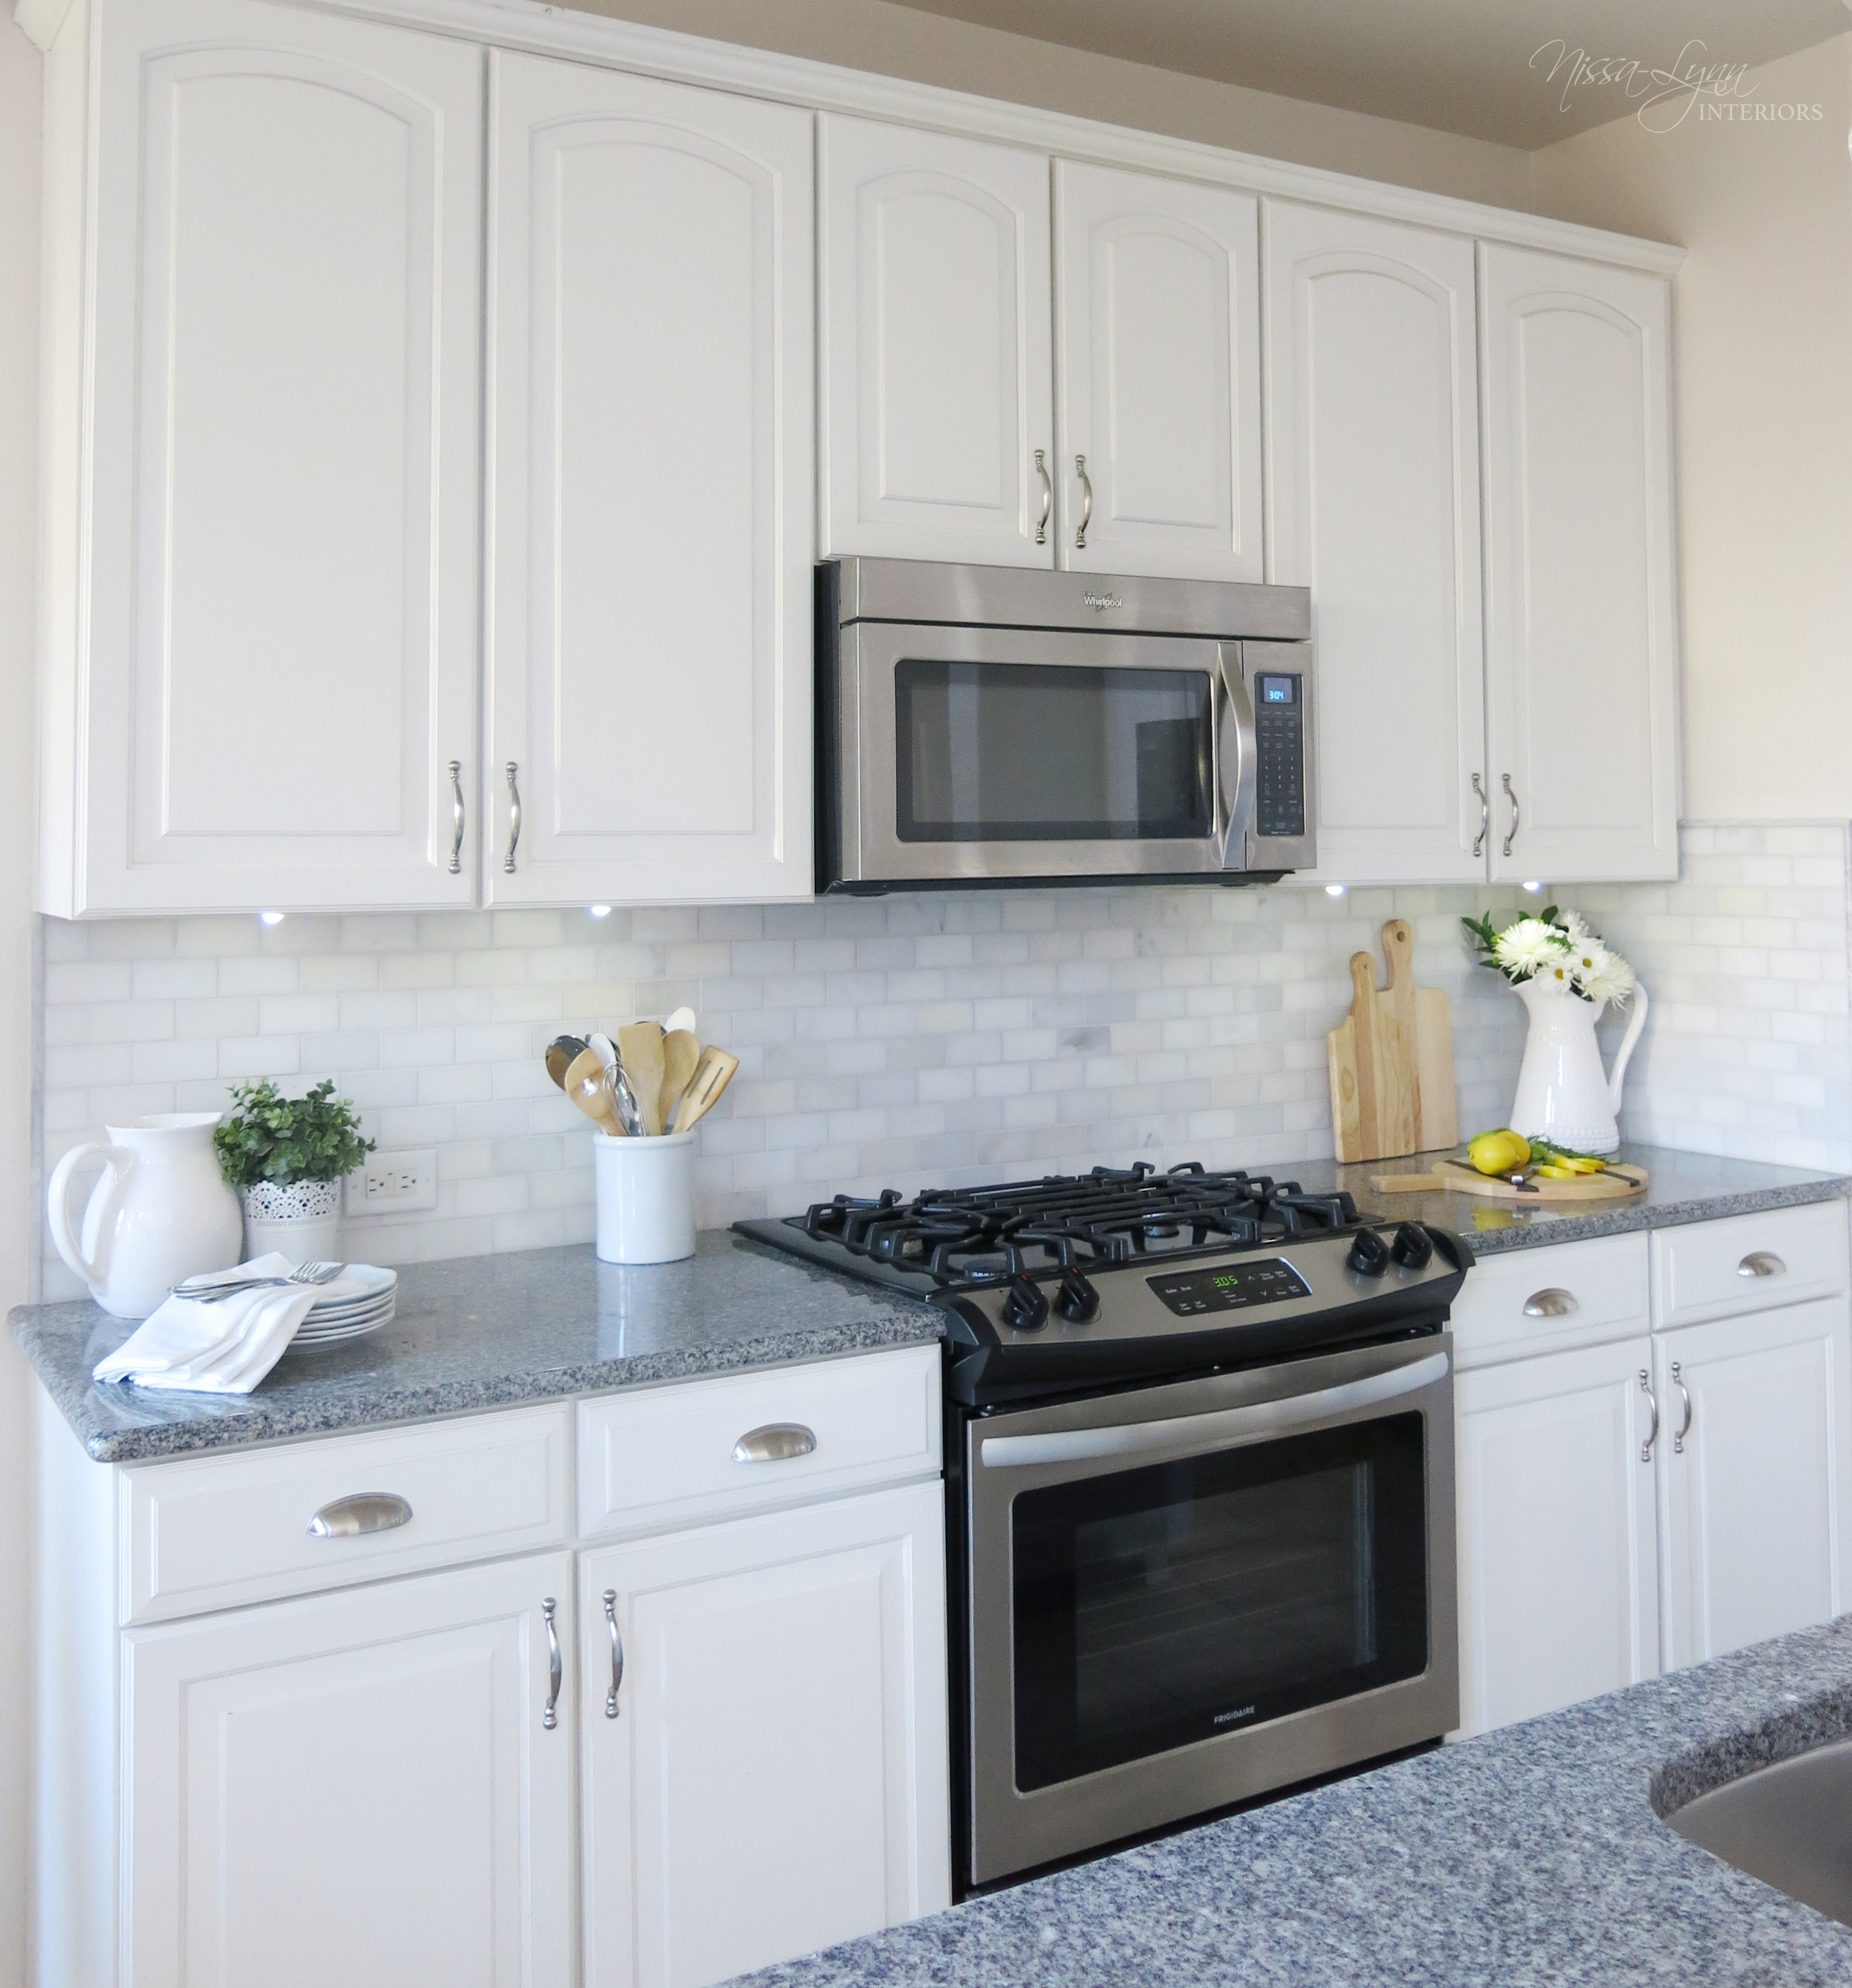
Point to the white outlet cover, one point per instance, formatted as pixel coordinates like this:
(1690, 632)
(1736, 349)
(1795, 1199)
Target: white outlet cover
(393, 1184)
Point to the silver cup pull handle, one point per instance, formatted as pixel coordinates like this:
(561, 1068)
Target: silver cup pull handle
(1761, 1263)
(514, 818)
(611, 1622)
(1652, 1434)
(1552, 1301)
(362, 1512)
(1479, 841)
(1684, 1427)
(456, 817)
(1048, 498)
(1087, 501)
(775, 1442)
(1517, 818)
(554, 1669)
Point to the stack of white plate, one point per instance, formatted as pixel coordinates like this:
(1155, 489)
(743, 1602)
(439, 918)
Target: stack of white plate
(361, 1300)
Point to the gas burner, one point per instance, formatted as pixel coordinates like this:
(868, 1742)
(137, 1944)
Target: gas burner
(1112, 1215)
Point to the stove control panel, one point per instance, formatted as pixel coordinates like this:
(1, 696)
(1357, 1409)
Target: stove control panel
(1279, 740)
(1229, 1286)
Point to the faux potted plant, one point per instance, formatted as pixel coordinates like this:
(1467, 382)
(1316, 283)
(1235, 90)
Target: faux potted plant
(287, 1158)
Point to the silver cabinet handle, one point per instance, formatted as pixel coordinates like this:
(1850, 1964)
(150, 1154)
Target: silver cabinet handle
(610, 1621)
(1550, 1303)
(1761, 1263)
(1517, 819)
(1652, 1434)
(364, 1511)
(1047, 499)
(456, 817)
(1684, 1427)
(1479, 841)
(550, 1717)
(775, 1442)
(1236, 788)
(514, 818)
(1086, 500)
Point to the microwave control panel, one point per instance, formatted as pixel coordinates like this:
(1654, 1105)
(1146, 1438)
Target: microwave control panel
(1279, 739)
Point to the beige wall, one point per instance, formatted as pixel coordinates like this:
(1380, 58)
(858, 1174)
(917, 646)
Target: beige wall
(897, 41)
(19, 82)
(1762, 343)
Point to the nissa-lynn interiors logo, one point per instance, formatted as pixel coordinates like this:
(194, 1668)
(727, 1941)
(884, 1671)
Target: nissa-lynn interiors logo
(1694, 86)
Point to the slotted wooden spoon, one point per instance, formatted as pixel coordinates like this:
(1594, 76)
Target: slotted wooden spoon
(712, 1076)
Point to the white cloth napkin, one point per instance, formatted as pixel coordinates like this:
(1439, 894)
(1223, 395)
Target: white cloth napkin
(225, 1348)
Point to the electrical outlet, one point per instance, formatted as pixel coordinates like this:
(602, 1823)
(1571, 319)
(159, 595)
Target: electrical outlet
(393, 1184)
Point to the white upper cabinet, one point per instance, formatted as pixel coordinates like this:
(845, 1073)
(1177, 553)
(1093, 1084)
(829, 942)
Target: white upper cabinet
(1580, 616)
(935, 362)
(1158, 375)
(275, 661)
(650, 479)
(1373, 502)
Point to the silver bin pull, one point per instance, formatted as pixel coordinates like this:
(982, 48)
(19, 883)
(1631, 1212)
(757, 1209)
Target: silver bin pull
(1552, 1301)
(775, 1442)
(363, 1512)
(1761, 1263)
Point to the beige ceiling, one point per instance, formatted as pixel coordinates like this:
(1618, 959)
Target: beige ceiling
(1462, 66)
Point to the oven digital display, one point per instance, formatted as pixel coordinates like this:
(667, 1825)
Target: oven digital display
(1190, 1293)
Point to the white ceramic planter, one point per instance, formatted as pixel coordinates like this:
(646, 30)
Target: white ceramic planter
(646, 1197)
(301, 1221)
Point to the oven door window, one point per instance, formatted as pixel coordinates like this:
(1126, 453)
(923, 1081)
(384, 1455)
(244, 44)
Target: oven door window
(1159, 1607)
(1050, 752)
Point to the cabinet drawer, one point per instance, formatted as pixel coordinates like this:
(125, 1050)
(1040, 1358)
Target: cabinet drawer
(220, 1531)
(1714, 1269)
(654, 1457)
(1577, 1294)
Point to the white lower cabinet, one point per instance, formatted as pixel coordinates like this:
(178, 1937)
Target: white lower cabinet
(763, 1731)
(1559, 1580)
(359, 1787)
(1753, 1472)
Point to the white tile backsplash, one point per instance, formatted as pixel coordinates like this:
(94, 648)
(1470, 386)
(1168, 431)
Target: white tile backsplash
(941, 1037)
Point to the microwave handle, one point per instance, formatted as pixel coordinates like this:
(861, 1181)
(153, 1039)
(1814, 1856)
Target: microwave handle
(1221, 1428)
(1237, 764)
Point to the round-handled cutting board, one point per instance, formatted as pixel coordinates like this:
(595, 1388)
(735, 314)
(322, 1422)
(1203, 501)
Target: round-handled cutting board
(1614, 1183)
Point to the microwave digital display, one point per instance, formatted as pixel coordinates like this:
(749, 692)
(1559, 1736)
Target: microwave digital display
(1279, 690)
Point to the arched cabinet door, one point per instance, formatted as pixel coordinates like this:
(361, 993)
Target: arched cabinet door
(1372, 502)
(650, 491)
(1157, 371)
(1580, 613)
(277, 518)
(935, 347)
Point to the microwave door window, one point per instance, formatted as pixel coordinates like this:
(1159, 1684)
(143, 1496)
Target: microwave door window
(1038, 752)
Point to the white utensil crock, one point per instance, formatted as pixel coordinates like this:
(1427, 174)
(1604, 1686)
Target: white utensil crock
(1564, 1095)
(301, 1221)
(646, 1197)
(162, 1211)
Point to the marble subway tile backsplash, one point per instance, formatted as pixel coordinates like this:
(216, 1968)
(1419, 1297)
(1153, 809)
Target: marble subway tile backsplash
(941, 1037)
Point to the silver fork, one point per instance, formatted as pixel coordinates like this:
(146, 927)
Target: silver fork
(209, 1288)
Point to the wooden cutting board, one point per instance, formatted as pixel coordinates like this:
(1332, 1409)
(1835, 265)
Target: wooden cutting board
(1615, 1183)
(1391, 1059)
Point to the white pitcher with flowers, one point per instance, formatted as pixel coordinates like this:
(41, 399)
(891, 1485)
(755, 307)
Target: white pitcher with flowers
(1565, 976)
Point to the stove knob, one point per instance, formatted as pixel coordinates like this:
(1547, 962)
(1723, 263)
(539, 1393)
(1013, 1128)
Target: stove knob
(1369, 1254)
(1026, 1306)
(1413, 1247)
(1077, 1300)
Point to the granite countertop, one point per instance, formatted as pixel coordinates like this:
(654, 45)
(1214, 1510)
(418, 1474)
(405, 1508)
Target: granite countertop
(1529, 1857)
(486, 1332)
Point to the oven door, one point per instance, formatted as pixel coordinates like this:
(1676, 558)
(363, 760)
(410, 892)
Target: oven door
(973, 754)
(1189, 1595)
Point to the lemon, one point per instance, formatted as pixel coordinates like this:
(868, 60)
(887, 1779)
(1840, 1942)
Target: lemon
(1500, 1152)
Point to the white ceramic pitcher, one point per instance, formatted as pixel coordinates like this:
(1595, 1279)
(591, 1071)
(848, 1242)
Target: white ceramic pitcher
(1564, 1095)
(161, 1211)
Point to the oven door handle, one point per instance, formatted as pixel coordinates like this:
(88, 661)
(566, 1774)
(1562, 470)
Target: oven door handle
(1237, 763)
(1221, 1428)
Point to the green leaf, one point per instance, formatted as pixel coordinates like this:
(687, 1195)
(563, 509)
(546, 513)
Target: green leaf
(271, 1138)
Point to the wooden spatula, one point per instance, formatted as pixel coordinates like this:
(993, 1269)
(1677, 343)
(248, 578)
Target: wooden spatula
(589, 1088)
(681, 1053)
(710, 1077)
(640, 1046)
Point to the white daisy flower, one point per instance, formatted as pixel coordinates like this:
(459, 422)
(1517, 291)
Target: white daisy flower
(1576, 926)
(1524, 948)
(1614, 982)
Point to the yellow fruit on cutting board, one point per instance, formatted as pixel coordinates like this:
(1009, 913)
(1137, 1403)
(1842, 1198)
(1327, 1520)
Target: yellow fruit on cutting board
(1500, 1152)
(1558, 1170)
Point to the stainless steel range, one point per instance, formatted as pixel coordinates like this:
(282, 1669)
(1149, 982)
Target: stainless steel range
(1199, 1461)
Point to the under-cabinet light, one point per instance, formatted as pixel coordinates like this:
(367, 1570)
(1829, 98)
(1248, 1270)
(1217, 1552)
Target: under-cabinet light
(599, 911)
(1533, 888)
(1334, 890)
(270, 918)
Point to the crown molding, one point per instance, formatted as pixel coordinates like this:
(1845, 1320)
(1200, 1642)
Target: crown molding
(540, 29)
(39, 20)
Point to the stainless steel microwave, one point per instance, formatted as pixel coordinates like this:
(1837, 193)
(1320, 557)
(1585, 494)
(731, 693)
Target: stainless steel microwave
(991, 724)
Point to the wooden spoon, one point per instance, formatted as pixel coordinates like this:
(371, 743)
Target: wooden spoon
(681, 1053)
(712, 1076)
(589, 1087)
(560, 1054)
(641, 1047)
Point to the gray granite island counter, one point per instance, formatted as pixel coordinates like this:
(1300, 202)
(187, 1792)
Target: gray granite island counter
(1531, 1858)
